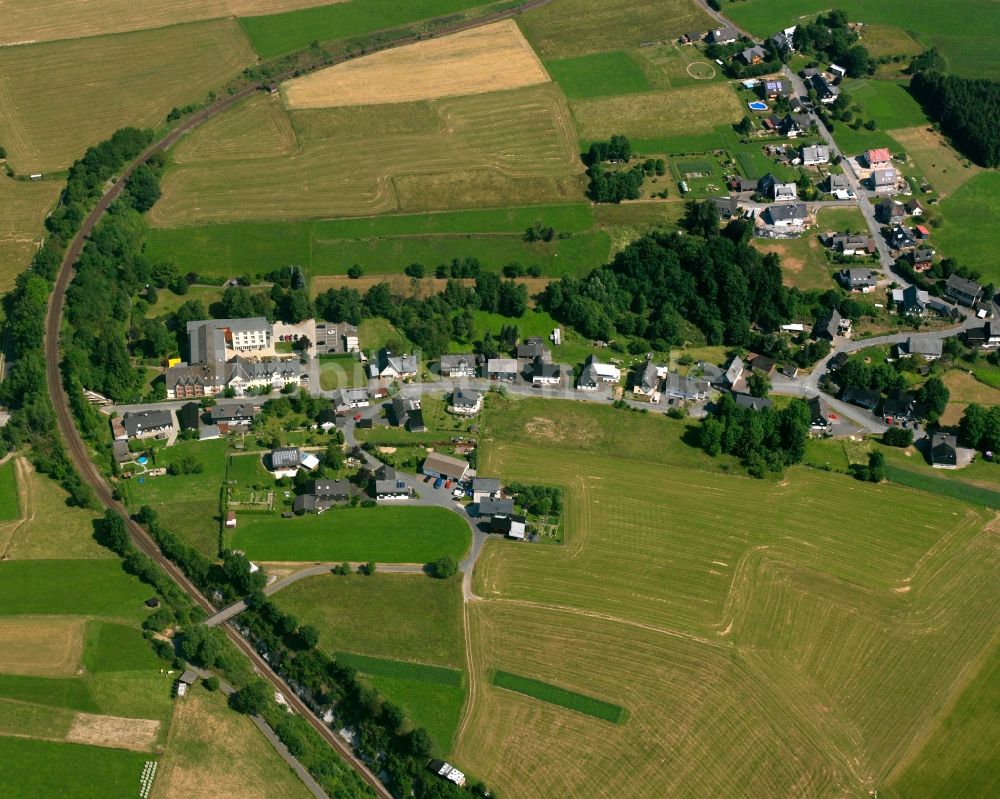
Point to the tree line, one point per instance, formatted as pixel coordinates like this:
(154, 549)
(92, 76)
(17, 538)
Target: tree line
(967, 109)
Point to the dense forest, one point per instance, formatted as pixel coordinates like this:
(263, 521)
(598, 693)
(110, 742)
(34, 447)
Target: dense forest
(968, 111)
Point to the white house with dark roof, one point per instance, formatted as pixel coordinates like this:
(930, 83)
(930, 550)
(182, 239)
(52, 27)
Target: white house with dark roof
(928, 348)
(465, 402)
(386, 366)
(147, 424)
(786, 215)
(647, 382)
(815, 154)
(483, 487)
(596, 374)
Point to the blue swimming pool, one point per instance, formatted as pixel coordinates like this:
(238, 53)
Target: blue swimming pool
(757, 105)
(142, 460)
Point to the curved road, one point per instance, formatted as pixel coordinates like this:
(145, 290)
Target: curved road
(77, 449)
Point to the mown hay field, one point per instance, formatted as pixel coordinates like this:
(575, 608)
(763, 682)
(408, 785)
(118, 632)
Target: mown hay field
(577, 27)
(689, 111)
(58, 98)
(213, 752)
(507, 148)
(25, 204)
(766, 639)
(45, 646)
(30, 21)
(940, 163)
(486, 59)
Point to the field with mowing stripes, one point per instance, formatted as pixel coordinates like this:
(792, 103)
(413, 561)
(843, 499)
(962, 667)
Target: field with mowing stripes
(58, 98)
(791, 638)
(507, 148)
(577, 27)
(25, 205)
(486, 59)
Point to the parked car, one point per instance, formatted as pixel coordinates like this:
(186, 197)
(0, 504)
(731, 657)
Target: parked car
(448, 484)
(438, 483)
(357, 417)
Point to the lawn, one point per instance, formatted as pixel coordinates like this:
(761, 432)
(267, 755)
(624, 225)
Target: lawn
(58, 98)
(8, 492)
(485, 151)
(188, 504)
(211, 748)
(80, 587)
(25, 205)
(598, 75)
(559, 696)
(578, 27)
(656, 115)
(720, 612)
(32, 768)
(387, 535)
(671, 66)
(382, 244)
(968, 233)
(386, 615)
(341, 371)
(276, 34)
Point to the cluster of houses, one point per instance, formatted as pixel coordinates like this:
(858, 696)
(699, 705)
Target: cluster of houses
(533, 359)
(654, 382)
(237, 355)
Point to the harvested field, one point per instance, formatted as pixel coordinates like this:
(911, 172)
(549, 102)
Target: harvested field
(695, 109)
(41, 646)
(487, 59)
(578, 27)
(964, 389)
(25, 204)
(941, 164)
(113, 731)
(31, 21)
(58, 98)
(886, 40)
(803, 262)
(213, 753)
(490, 150)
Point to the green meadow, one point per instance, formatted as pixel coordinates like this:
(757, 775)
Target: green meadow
(970, 233)
(78, 587)
(387, 534)
(545, 692)
(598, 75)
(8, 491)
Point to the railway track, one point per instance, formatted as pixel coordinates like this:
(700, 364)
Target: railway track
(75, 445)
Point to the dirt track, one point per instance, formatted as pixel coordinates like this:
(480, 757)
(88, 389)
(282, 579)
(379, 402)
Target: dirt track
(78, 450)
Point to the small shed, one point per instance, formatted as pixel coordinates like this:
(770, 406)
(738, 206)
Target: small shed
(231, 519)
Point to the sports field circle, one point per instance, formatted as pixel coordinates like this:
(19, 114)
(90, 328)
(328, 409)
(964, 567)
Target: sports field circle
(701, 70)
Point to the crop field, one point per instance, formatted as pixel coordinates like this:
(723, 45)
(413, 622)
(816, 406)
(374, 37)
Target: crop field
(746, 631)
(213, 752)
(486, 59)
(48, 527)
(687, 111)
(966, 39)
(25, 205)
(578, 27)
(28, 21)
(387, 535)
(946, 170)
(559, 696)
(188, 504)
(47, 647)
(59, 98)
(32, 768)
(386, 615)
(968, 233)
(276, 34)
(40, 587)
(516, 147)
(598, 75)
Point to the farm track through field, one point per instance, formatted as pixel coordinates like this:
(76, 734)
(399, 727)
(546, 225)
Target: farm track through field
(27, 511)
(77, 449)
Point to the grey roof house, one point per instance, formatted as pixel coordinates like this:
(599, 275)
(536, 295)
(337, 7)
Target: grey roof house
(963, 291)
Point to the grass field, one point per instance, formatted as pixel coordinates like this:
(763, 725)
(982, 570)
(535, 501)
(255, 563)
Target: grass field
(117, 647)
(388, 535)
(967, 233)
(25, 205)
(960, 758)
(276, 34)
(886, 40)
(213, 752)
(598, 75)
(486, 59)
(803, 261)
(59, 98)
(506, 148)
(49, 528)
(386, 615)
(72, 694)
(965, 388)
(966, 39)
(387, 244)
(31, 21)
(188, 504)
(47, 647)
(400, 669)
(671, 66)
(32, 768)
(41, 587)
(657, 115)
(8, 492)
(559, 696)
(953, 488)
(578, 27)
(888, 102)
(710, 626)
(935, 158)
(436, 708)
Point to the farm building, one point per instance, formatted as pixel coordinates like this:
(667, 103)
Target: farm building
(438, 465)
(596, 374)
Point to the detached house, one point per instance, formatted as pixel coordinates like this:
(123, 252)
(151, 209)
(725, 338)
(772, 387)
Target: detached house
(724, 35)
(858, 279)
(685, 387)
(647, 382)
(910, 301)
(839, 186)
(504, 369)
(545, 373)
(483, 487)
(852, 244)
(389, 486)
(779, 192)
(407, 414)
(963, 291)
(815, 154)
(788, 215)
(596, 374)
(147, 424)
(899, 238)
(460, 365)
(922, 259)
(465, 402)
(882, 181)
(944, 451)
(386, 366)
(889, 211)
(826, 91)
(928, 348)
(878, 158)
(829, 325)
(753, 55)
